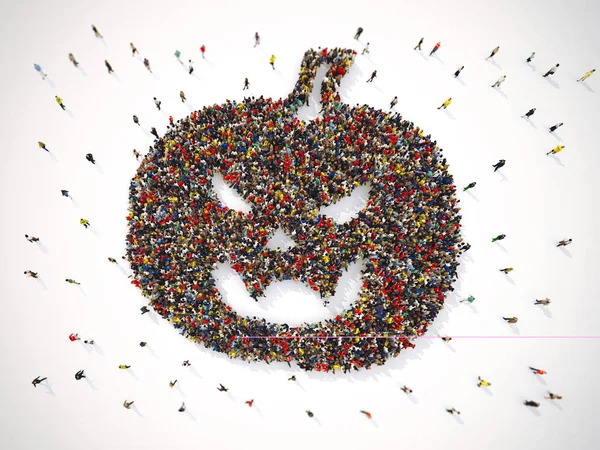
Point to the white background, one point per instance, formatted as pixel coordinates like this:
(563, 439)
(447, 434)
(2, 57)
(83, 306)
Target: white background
(535, 200)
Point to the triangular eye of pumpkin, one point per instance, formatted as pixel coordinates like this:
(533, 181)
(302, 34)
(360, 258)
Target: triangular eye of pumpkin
(347, 208)
(228, 196)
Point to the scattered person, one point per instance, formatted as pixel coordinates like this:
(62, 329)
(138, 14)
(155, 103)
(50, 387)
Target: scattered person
(446, 338)
(85, 223)
(144, 309)
(64, 193)
(366, 413)
(249, 403)
(555, 150)
(499, 164)
(499, 237)
(494, 51)
(172, 383)
(499, 81)
(136, 154)
(366, 49)
(39, 70)
(182, 96)
(89, 341)
(418, 46)
(446, 103)
(127, 404)
(406, 389)
(458, 71)
(586, 75)
(222, 388)
(112, 260)
(157, 103)
(90, 158)
(32, 238)
(31, 274)
(394, 102)
(359, 31)
(552, 71)
(469, 299)
(537, 371)
(108, 67)
(511, 320)
(453, 411)
(309, 413)
(71, 281)
(147, 65)
(73, 60)
(136, 120)
(470, 186)
(60, 102)
(435, 48)
(531, 403)
(552, 396)
(373, 76)
(190, 66)
(143, 344)
(292, 378)
(96, 32)
(38, 380)
(507, 270)
(43, 146)
(553, 128)
(272, 61)
(543, 301)
(246, 84)
(186, 363)
(123, 366)
(483, 382)
(564, 242)
(203, 50)
(529, 113)
(74, 337)
(177, 55)
(134, 50)
(79, 375)
(182, 407)
(531, 57)
(154, 132)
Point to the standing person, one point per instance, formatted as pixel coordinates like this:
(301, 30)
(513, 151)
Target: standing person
(154, 132)
(38, 380)
(500, 237)
(182, 407)
(531, 403)
(73, 60)
(272, 61)
(529, 113)
(458, 71)
(134, 50)
(85, 223)
(366, 49)
(453, 411)
(186, 363)
(79, 375)
(418, 46)
(531, 57)
(96, 32)
(71, 281)
(537, 371)
(182, 96)
(136, 120)
(31, 273)
(553, 128)
(39, 70)
(507, 270)
(90, 158)
(32, 238)
(136, 154)
(555, 150)
(406, 389)
(222, 388)
(552, 71)
(564, 242)
(246, 84)
(127, 404)
(550, 396)
(435, 48)
(543, 301)
(511, 320)
(499, 164)
(470, 186)
(108, 67)
(373, 76)
(358, 33)
(499, 81)
(190, 67)
(292, 378)
(250, 403)
(43, 146)
(60, 102)
(64, 193)
(172, 383)
(394, 102)
(144, 310)
(157, 103)
(309, 413)
(124, 366)
(483, 382)
(446, 103)
(203, 50)
(143, 344)
(147, 65)
(366, 413)
(469, 299)
(587, 75)
(177, 55)
(493, 53)
(74, 337)
(256, 39)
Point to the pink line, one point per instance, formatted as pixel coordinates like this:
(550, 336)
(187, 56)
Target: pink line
(420, 337)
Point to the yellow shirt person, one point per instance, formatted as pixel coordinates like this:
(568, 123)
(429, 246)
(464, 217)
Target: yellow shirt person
(587, 75)
(446, 103)
(556, 150)
(272, 61)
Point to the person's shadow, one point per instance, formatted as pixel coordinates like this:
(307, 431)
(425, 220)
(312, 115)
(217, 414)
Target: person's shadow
(473, 196)
(41, 283)
(587, 86)
(136, 410)
(48, 387)
(565, 251)
(557, 160)
(501, 92)
(493, 62)
(552, 83)
(449, 114)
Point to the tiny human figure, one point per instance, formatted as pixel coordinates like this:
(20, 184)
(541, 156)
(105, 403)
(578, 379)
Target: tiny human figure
(435, 48)
(358, 33)
(499, 164)
(154, 132)
(553, 128)
(136, 154)
(60, 102)
(43, 146)
(190, 66)
(222, 388)
(586, 75)
(531, 403)
(177, 55)
(89, 341)
(147, 65)
(249, 402)
(292, 378)
(366, 49)
(394, 102)
(64, 192)
(446, 338)
(531, 57)
(469, 299)
(453, 411)
(71, 281)
(458, 71)
(470, 186)
(31, 274)
(499, 237)
(483, 382)
(418, 46)
(127, 404)
(552, 71)
(39, 70)
(499, 81)
(143, 344)
(406, 389)
(529, 113)
(186, 363)
(134, 50)
(96, 32)
(555, 150)
(37, 380)
(203, 50)
(85, 223)
(543, 301)
(511, 319)
(309, 413)
(272, 61)
(550, 396)
(157, 103)
(508, 269)
(246, 84)
(112, 260)
(79, 375)
(256, 39)
(182, 407)
(74, 337)
(108, 66)
(366, 413)
(172, 383)
(446, 103)
(90, 158)
(32, 238)
(182, 96)
(373, 76)
(123, 366)
(494, 51)
(537, 371)
(564, 242)
(144, 309)
(73, 60)
(136, 120)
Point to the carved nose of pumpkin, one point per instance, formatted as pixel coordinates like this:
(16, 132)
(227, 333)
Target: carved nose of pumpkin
(280, 240)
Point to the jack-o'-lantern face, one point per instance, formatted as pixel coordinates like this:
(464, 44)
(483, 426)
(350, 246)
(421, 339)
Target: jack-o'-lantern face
(288, 171)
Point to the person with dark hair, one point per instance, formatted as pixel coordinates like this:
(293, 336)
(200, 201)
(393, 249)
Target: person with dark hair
(108, 67)
(552, 71)
(144, 309)
(309, 413)
(373, 75)
(458, 71)
(555, 150)
(543, 301)
(435, 48)
(494, 51)
(537, 371)
(470, 186)
(552, 396)
(246, 84)
(586, 75)
(406, 389)
(531, 403)
(134, 50)
(127, 404)
(96, 32)
(499, 237)
(136, 120)
(32, 238)
(31, 274)
(553, 128)
(394, 102)
(250, 402)
(38, 380)
(154, 133)
(564, 242)
(453, 411)
(531, 57)
(64, 193)
(157, 103)
(43, 146)
(529, 113)
(147, 65)
(79, 375)
(182, 407)
(507, 270)
(359, 31)
(418, 46)
(499, 164)
(366, 413)
(511, 320)
(90, 158)
(182, 96)
(222, 388)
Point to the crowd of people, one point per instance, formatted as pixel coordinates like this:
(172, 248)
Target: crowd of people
(408, 235)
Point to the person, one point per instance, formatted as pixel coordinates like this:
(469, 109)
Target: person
(470, 186)
(96, 32)
(373, 76)
(31, 274)
(112, 260)
(446, 103)
(123, 366)
(446, 338)
(494, 51)
(90, 158)
(553, 128)
(499, 164)
(543, 301)
(147, 65)
(531, 403)
(499, 81)
(38, 380)
(182, 96)
(79, 375)
(256, 39)
(552, 396)
(136, 154)
(60, 102)
(309, 413)
(406, 389)
(508, 269)
(529, 113)
(154, 132)
(511, 320)
(222, 388)
(74, 337)
(531, 57)
(564, 242)
(458, 71)
(32, 238)
(186, 363)
(292, 378)
(418, 46)
(177, 55)
(157, 103)
(366, 49)
(435, 48)
(537, 371)
(64, 192)
(182, 407)
(85, 223)
(108, 66)
(43, 146)
(250, 402)
(555, 150)
(366, 413)
(143, 344)
(144, 309)
(552, 71)
(272, 61)
(453, 411)
(89, 341)
(586, 75)
(136, 120)
(73, 60)
(499, 237)
(71, 281)
(203, 50)
(39, 70)
(394, 102)
(134, 50)
(469, 299)
(190, 66)
(127, 404)
(483, 382)
(172, 383)
(359, 31)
